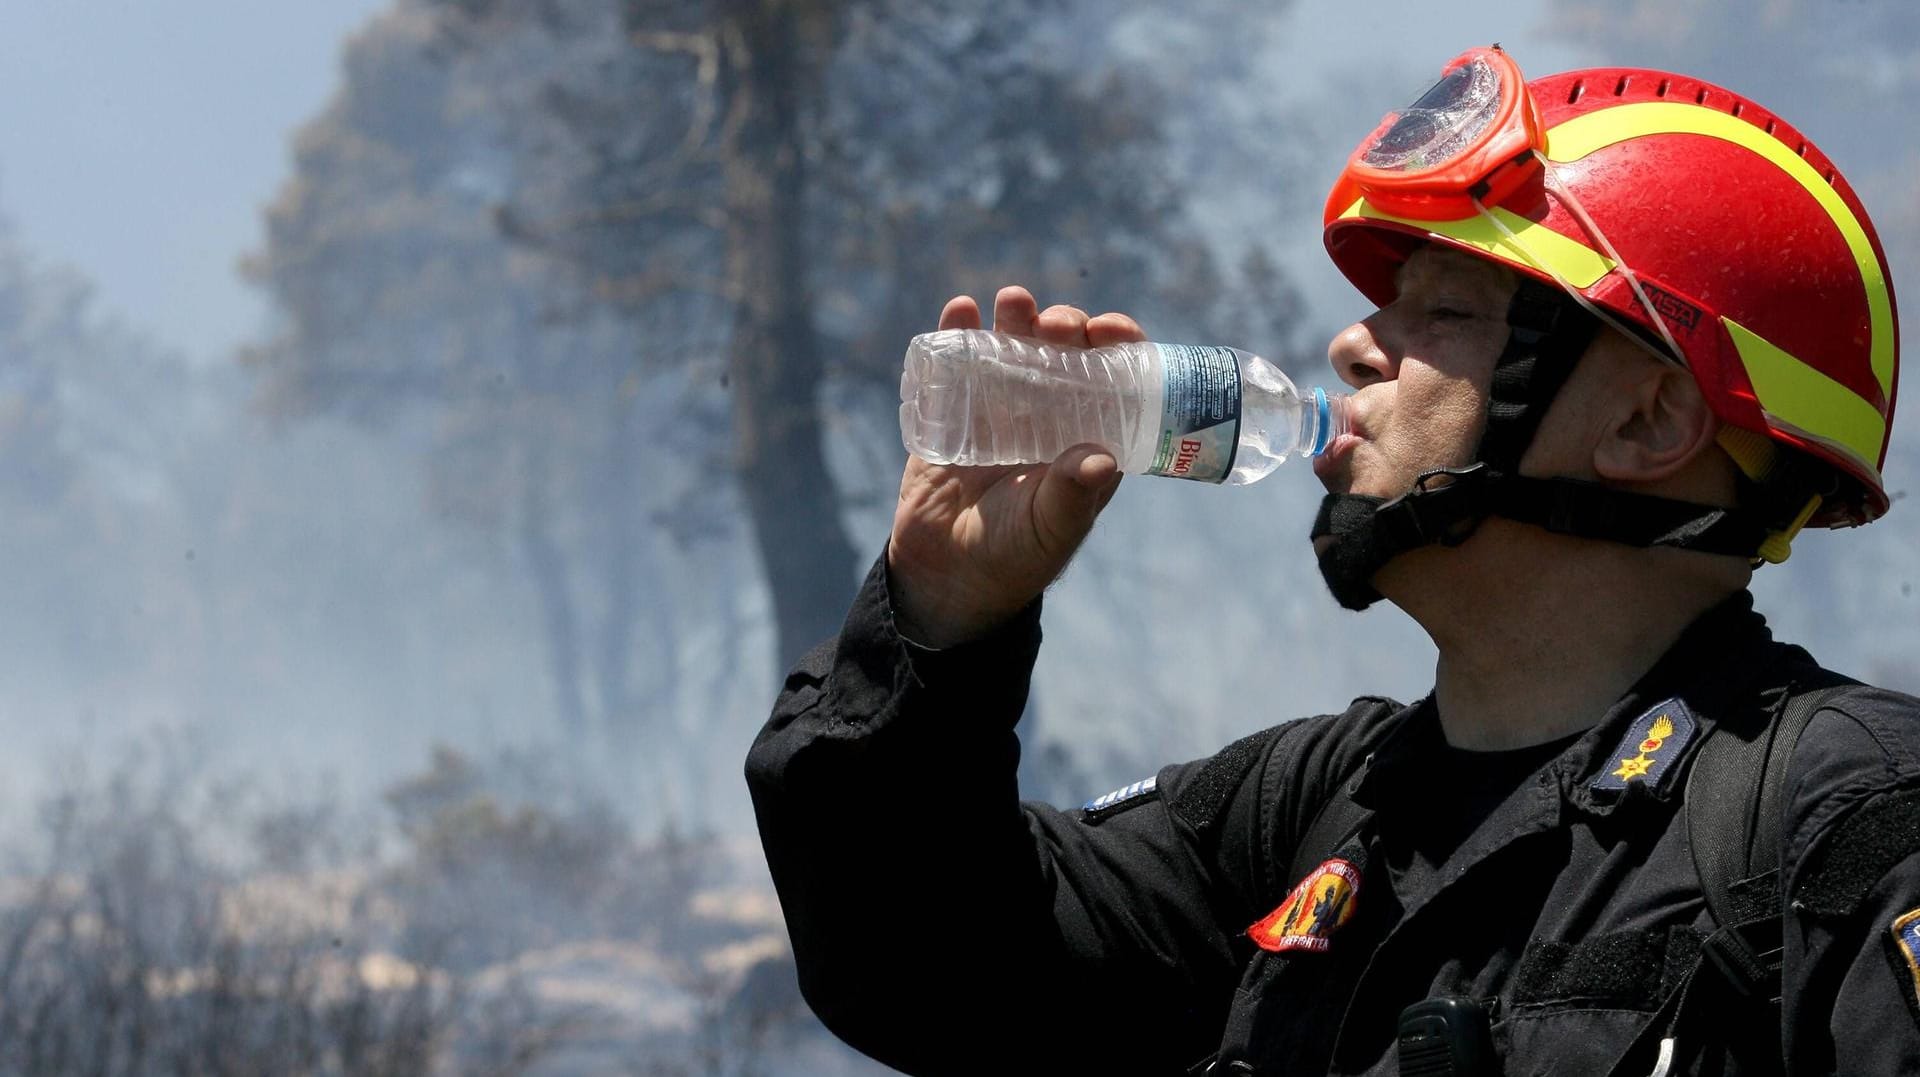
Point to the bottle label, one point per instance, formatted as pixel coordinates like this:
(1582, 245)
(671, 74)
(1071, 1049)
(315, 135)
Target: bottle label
(1200, 416)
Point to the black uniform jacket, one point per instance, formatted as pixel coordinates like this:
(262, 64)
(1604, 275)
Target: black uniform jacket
(942, 926)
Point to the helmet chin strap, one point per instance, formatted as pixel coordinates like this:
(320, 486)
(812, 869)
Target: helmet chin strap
(1548, 335)
(1348, 563)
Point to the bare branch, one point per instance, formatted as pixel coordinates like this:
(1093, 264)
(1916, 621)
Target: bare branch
(698, 203)
(741, 104)
(666, 280)
(706, 53)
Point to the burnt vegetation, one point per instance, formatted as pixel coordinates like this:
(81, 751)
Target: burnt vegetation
(159, 923)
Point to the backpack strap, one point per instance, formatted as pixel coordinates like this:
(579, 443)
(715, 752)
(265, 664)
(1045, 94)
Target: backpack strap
(1735, 799)
(1338, 819)
(1734, 803)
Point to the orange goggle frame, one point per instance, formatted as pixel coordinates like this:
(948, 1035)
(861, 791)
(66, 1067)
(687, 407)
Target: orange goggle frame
(1473, 134)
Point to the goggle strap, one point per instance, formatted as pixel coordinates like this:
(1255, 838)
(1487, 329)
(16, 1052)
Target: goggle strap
(1592, 308)
(1567, 287)
(1593, 228)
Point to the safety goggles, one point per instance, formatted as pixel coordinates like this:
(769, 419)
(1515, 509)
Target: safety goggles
(1473, 140)
(1474, 134)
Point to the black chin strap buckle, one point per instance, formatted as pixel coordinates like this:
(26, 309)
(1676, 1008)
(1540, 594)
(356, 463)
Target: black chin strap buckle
(1444, 507)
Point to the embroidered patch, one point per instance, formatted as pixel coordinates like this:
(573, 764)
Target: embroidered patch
(1122, 795)
(1904, 952)
(1321, 902)
(1647, 752)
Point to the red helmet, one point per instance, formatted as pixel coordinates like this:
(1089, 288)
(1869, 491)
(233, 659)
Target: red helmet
(1756, 255)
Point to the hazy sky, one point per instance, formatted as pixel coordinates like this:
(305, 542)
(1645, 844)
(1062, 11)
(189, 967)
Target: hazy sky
(139, 139)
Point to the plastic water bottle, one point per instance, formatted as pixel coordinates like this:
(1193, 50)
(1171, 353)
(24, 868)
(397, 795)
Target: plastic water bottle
(973, 397)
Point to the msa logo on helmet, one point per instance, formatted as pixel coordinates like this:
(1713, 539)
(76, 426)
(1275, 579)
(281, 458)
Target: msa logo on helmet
(1674, 309)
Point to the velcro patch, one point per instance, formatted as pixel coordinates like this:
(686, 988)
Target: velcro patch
(1646, 754)
(1617, 969)
(1885, 831)
(1321, 902)
(1202, 798)
(1122, 795)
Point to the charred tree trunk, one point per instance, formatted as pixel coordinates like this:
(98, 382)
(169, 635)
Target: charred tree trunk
(775, 363)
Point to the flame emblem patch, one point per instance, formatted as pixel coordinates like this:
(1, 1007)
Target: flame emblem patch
(1646, 754)
(1313, 910)
(1639, 765)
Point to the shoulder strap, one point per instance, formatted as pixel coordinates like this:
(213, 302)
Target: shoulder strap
(1338, 819)
(1734, 801)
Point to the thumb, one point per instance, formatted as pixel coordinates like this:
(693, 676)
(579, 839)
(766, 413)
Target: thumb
(1071, 494)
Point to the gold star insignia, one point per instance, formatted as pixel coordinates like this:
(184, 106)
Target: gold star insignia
(1636, 767)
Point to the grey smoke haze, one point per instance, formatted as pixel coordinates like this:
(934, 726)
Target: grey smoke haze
(138, 147)
(325, 595)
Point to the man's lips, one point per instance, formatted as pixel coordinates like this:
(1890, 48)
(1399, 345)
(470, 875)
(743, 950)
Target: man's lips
(1338, 449)
(1334, 458)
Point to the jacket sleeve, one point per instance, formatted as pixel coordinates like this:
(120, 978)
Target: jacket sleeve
(1851, 973)
(942, 926)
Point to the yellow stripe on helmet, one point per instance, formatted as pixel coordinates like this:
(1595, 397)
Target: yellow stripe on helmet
(1577, 263)
(1593, 131)
(1805, 402)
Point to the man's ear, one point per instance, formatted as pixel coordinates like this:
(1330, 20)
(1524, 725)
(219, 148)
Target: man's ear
(1661, 424)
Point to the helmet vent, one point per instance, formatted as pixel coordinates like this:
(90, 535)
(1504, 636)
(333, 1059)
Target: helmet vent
(1579, 87)
(1739, 107)
(1802, 151)
(1661, 90)
(1621, 86)
(1701, 97)
(1771, 124)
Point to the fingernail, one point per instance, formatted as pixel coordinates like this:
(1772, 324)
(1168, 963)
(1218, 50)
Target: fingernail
(1093, 471)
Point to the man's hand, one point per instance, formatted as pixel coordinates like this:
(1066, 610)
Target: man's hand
(971, 546)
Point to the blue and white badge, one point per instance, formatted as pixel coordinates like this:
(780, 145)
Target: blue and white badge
(1646, 754)
(1906, 952)
(1122, 795)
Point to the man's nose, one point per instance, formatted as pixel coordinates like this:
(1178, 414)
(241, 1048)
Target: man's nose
(1358, 358)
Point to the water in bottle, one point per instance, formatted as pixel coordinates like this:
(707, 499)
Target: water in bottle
(973, 397)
